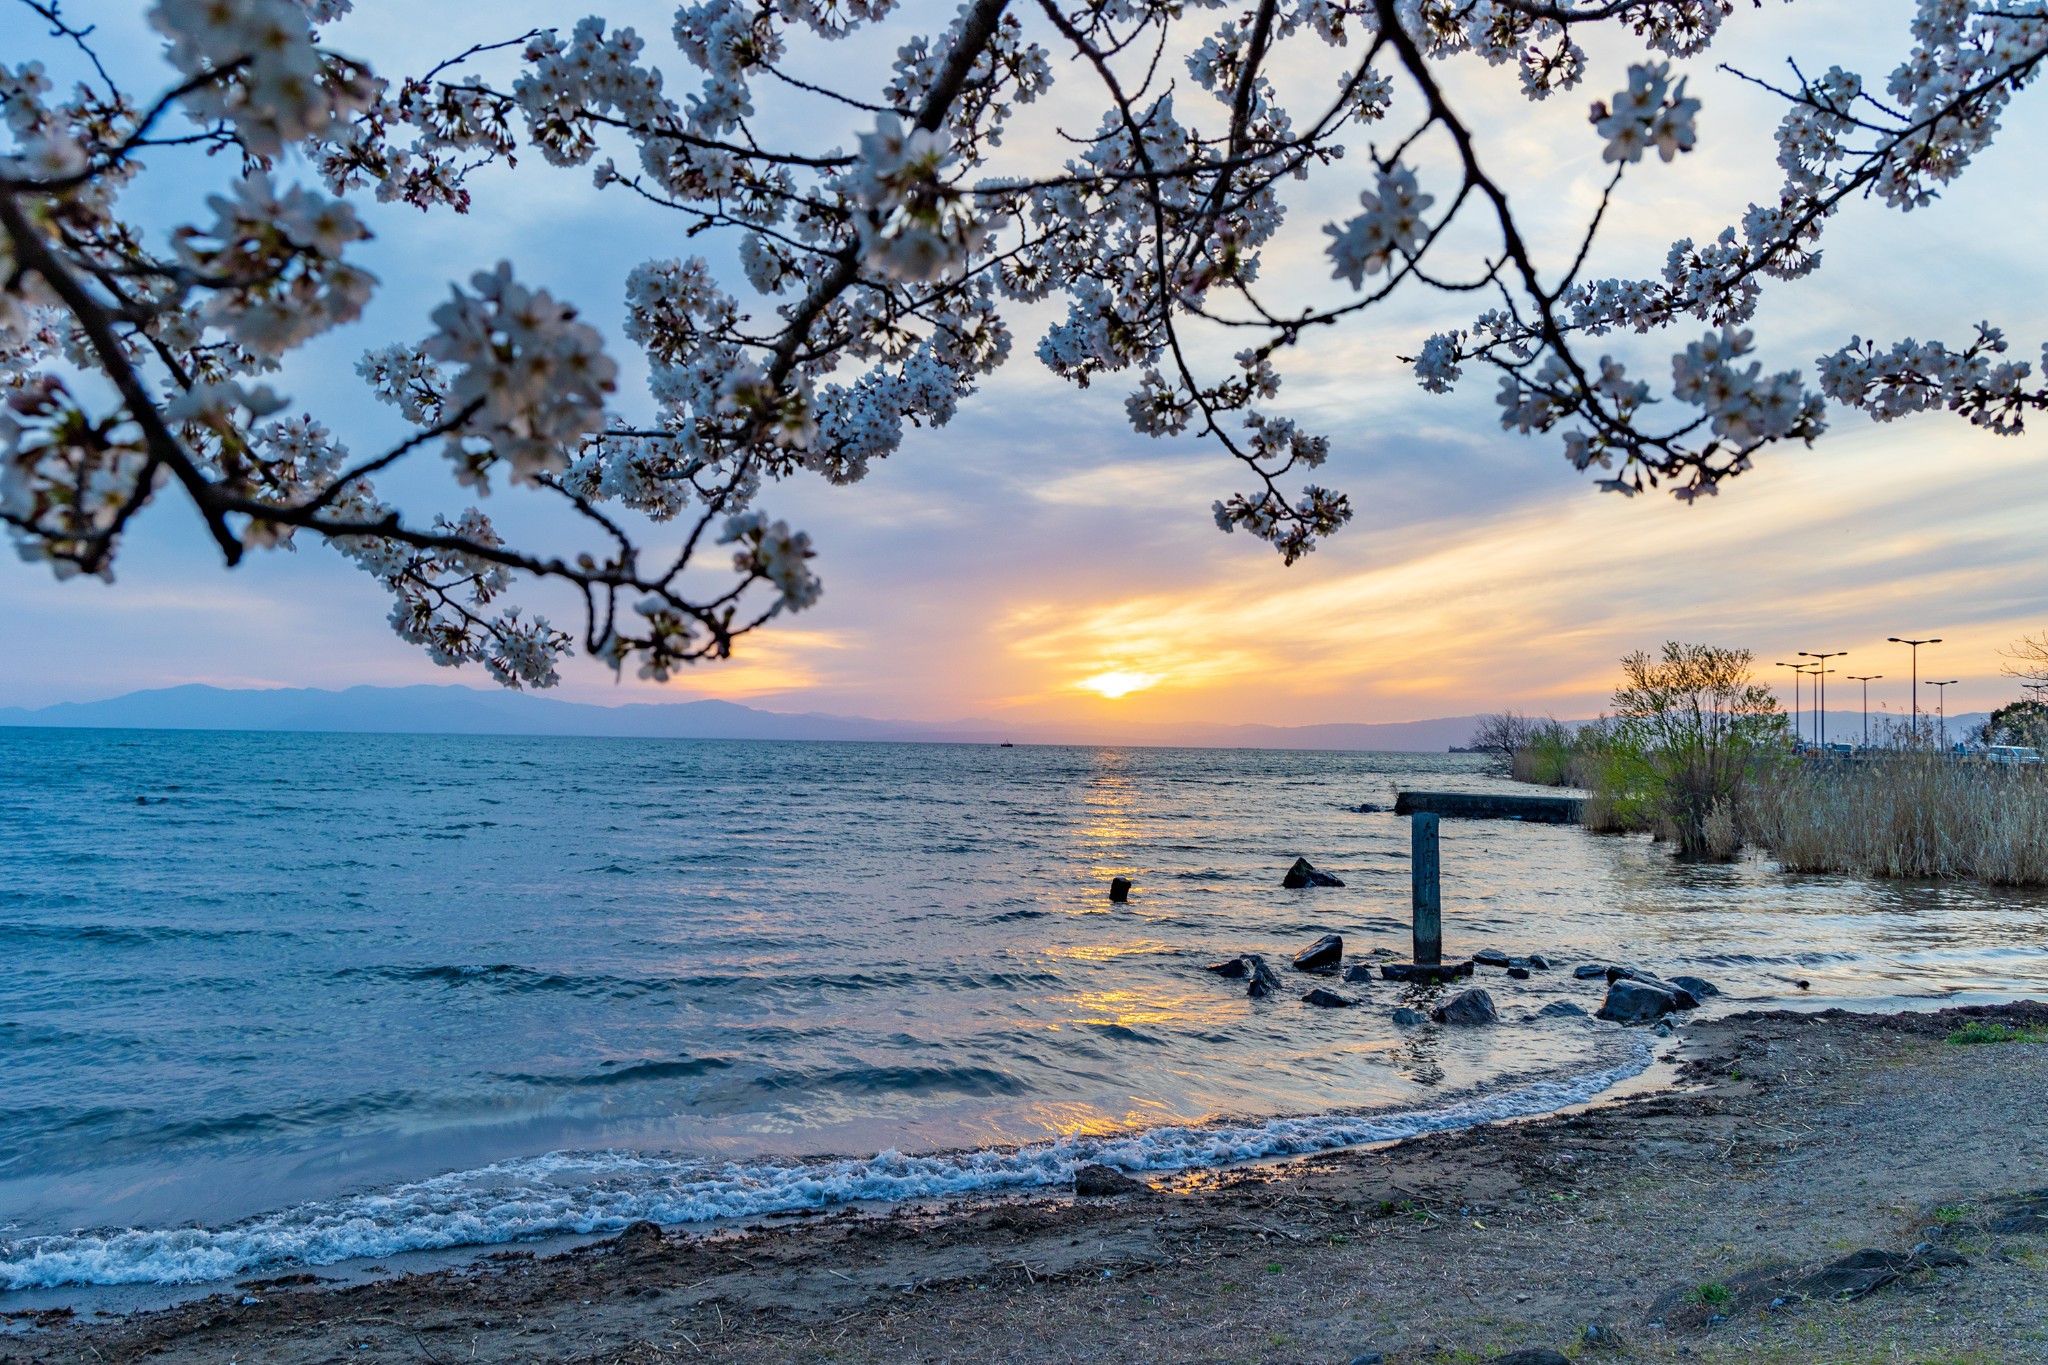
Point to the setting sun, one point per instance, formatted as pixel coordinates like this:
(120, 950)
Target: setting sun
(1118, 684)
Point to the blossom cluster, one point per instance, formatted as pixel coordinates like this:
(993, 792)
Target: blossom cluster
(883, 251)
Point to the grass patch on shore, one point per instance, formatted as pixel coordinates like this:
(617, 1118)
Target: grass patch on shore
(1978, 1031)
(1713, 1292)
(1911, 814)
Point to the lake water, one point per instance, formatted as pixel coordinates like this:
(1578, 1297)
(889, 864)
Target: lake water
(280, 998)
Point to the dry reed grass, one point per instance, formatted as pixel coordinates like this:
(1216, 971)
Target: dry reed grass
(1909, 815)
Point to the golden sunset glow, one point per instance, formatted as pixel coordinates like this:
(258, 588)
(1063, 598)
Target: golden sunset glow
(1118, 684)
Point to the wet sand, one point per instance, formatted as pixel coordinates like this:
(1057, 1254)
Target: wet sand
(1717, 1220)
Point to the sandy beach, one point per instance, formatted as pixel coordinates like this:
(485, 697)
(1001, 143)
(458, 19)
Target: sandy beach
(1826, 1187)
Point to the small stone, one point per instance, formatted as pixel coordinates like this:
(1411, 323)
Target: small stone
(1539, 962)
(1232, 967)
(1358, 973)
(1532, 1355)
(1602, 1337)
(1329, 1000)
(1408, 1018)
(1265, 981)
(1370, 1358)
(1697, 987)
(1562, 1009)
(1519, 973)
(1663, 1029)
(1588, 970)
(1321, 956)
(1103, 1182)
(1119, 889)
(1491, 957)
(1467, 1008)
(640, 1236)
(1304, 873)
(1368, 808)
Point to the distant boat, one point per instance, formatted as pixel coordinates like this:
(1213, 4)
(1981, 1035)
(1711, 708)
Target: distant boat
(1006, 745)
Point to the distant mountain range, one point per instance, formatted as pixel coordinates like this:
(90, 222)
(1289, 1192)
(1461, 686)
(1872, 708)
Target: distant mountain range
(456, 710)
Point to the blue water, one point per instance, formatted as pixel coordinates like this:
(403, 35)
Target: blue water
(271, 998)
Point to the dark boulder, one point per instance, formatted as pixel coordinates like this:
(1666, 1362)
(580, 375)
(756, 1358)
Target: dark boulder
(1321, 956)
(1358, 973)
(1265, 981)
(1102, 1182)
(1491, 957)
(1231, 967)
(1329, 1000)
(1303, 873)
(1119, 889)
(1519, 973)
(1467, 1007)
(1586, 971)
(1697, 987)
(1539, 962)
(1639, 1002)
(1561, 1009)
(1408, 1018)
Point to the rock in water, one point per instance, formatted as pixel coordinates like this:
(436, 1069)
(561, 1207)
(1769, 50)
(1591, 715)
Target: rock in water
(1358, 973)
(1638, 1002)
(1519, 973)
(1562, 1009)
(1231, 967)
(1408, 1018)
(1119, 889)
(1467, 1007)
(1697, 987)
(1539, 962)
(1321, 956)
(1303, 873)
(1265, 981)
(1329, 1000)
(1491, 957)
(1102, 1182)
(1586, 971)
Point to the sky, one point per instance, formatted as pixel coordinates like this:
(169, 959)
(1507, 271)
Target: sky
(1037, 560)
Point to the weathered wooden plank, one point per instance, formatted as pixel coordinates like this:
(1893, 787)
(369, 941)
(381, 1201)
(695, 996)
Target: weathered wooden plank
(1548, 810)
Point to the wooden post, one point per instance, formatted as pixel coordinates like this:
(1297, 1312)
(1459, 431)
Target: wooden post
(1425, 869)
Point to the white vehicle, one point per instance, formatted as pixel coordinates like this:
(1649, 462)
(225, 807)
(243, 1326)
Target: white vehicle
(2011, 753)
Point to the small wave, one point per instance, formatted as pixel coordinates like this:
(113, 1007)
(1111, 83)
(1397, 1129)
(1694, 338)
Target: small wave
(593, 1192)
(633, 1073)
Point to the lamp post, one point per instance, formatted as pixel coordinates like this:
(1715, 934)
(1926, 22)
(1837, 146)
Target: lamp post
(1866, 680)
(1820, 705)
(1798, 672)
(1941, 704)
(1897, 640)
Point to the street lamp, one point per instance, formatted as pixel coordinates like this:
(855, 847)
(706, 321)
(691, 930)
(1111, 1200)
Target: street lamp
(1866, 681)
(1820, 705)
(1798, 672)
(1896, 640)
(1941, 703)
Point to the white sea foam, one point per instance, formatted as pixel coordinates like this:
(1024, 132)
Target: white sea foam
(586, 1192)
